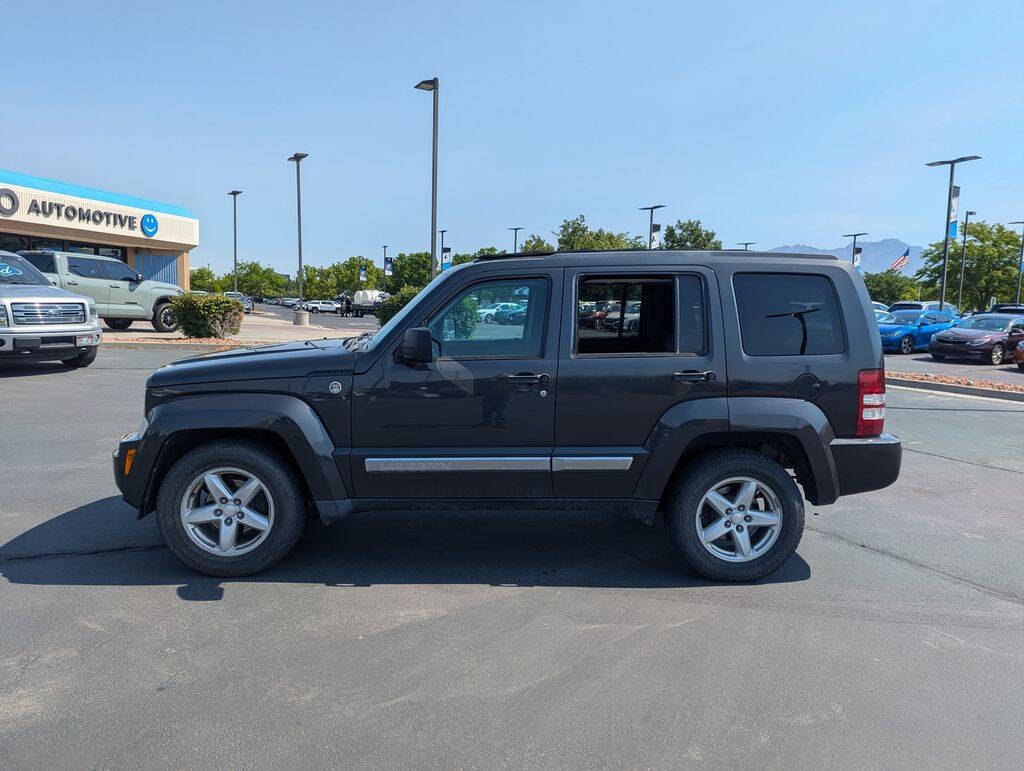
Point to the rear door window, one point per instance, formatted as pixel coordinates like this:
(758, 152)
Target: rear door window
(43, 261)
(116, 271)
(84, 267)
(625, 314)
(788, 314)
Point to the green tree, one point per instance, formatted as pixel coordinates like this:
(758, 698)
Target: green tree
(346, 275)
(993, 252)
(459, 259)
(412, 269)
(257, 279)
(574, 235)
(690, 235)
(203, 279)
(536, 243)
(396, 302)
(889, 286)
(319, 283)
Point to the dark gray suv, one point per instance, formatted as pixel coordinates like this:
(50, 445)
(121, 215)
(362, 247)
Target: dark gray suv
(719, 391)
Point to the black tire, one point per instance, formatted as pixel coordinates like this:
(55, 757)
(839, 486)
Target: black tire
(314, 310)
(83, 359)
(700, 476)
(163, 318)
(118, 323)
(938, 356)
(252, 457)
(998, 355)
(907, 345)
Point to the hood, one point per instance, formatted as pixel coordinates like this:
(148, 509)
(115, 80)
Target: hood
(883, 328)
(38, 291)
(959, 333)
(284, 360)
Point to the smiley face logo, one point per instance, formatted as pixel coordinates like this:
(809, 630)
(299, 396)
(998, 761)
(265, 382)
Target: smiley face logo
(149, 225)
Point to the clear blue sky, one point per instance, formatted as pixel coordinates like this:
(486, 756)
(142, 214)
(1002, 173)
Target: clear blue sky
(773, 122)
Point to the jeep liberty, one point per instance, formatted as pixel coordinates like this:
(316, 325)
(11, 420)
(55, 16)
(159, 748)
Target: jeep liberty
(719, 391)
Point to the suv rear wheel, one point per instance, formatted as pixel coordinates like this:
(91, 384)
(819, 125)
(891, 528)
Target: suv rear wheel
(735, 515)
(164, 319)
(230, 508)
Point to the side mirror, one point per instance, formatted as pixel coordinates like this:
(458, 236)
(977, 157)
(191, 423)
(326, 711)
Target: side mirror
(138, 278)
(417, 346)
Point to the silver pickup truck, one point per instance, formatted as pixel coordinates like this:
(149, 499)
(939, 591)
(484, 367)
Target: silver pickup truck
(40, 321)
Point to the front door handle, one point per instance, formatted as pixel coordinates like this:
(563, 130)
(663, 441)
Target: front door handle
(527, 378)
(74, 283)
(115, 286)
(693, 376)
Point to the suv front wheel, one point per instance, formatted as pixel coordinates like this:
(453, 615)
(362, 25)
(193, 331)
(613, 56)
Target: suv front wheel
(164, 319)
(230, 508)
(735, 515)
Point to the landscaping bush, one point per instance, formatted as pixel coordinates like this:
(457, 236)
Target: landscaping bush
(396, 302)
(207, 315)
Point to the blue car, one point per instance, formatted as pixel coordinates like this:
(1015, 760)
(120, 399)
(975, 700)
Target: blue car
(909, 331)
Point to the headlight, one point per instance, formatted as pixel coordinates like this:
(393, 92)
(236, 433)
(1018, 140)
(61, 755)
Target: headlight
(983, 341)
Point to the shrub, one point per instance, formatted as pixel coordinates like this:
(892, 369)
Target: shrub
(208, 315)
(396, 302)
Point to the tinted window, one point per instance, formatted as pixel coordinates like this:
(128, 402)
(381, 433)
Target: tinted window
(517, 330)
(15, 269)
(784, 314)
(928, 318)
(84, 267)
(42, 260)
(117, 271)
(625, 314)
(942, 318)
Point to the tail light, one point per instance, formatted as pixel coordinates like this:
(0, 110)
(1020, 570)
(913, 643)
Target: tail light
(870, 402)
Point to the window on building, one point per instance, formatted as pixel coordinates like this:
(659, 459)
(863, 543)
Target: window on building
(9, 242)
(111, 251)
(75, 246)
(788, 314)
(53, 244)
(625, 314)
(466, 327)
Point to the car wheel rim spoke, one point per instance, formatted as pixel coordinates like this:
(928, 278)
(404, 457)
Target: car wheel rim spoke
(738, 519)
(227, 511)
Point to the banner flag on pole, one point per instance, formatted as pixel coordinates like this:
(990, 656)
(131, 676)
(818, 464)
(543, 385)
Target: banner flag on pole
(901, 262)
(446, 258)
(655, 236)
(388, 269)
(953, 211)
(362, 273)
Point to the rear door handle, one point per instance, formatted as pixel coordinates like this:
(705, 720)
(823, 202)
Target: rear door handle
(75, 283)
(693, 376)
(526, 378)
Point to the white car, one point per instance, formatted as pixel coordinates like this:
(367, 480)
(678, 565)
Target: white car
(321, 306)
(488, 312)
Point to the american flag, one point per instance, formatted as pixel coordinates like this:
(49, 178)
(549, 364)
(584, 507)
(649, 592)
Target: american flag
(901, 262)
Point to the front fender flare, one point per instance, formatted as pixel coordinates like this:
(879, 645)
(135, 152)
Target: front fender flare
(287, 417)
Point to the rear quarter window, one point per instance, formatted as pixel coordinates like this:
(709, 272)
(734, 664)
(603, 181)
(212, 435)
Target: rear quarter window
(788, 314)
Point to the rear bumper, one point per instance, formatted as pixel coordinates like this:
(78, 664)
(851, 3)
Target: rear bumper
(865, 464)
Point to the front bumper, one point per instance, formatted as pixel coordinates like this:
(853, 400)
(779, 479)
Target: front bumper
(49, 341)
(132, 487)
(964, 351)
(869, 463)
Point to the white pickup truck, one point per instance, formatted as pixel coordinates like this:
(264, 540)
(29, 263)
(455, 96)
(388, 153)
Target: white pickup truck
(40, 321)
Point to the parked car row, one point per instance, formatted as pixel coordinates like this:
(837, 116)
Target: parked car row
(993, 337)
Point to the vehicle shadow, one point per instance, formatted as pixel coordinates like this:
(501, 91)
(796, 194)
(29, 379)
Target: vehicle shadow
(36, 367)
(87, 546)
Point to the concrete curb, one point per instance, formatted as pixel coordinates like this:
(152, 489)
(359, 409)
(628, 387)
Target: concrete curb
(990, 393)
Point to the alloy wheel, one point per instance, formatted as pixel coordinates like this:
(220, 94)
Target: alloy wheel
(907, 345)
(167, 318)
(739, 519)
(227, 511)
(997, 354)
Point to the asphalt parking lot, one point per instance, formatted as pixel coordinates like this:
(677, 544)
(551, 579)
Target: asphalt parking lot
(332, 320)
(893, 638)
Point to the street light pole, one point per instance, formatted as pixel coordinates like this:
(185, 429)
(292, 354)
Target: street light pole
(650, 223)
(963, 263)
(515, 240)
(234, 218)
(1020, 264)
(300, 317)
(949, 210)
(853, 251)
(432, 85)
(745, 244)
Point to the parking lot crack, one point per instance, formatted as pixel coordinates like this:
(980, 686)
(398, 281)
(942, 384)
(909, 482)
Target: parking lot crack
(961, 460)
(83, 553)
(923, 567)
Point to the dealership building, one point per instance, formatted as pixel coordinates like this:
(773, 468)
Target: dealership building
(151, 237)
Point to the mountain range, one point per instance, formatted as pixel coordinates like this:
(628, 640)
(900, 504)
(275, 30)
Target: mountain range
(876, 257)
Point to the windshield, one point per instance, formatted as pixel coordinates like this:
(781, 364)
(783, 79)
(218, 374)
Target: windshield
(15, 269)
(901, 317)
(988, 323)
